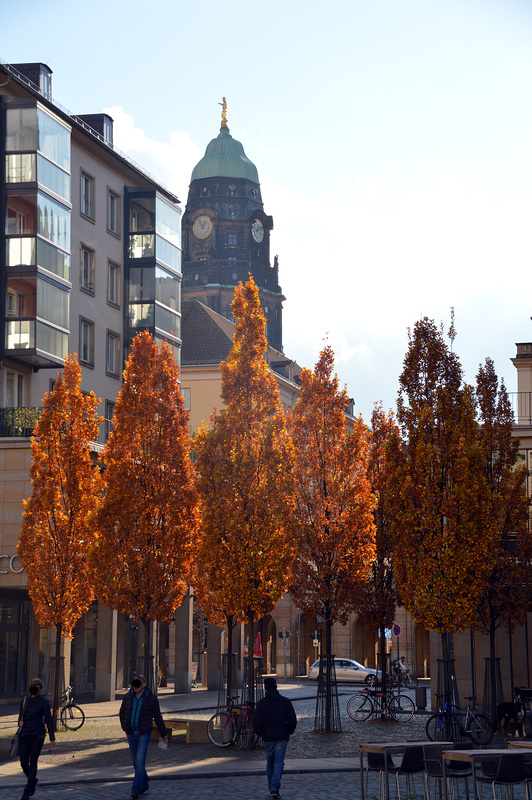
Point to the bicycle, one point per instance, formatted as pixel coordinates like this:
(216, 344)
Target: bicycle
(455, 722)
(232, 726)
(388, 704)
(71, 715)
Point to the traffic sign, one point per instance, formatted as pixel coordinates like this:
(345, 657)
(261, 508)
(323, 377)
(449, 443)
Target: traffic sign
(387, 632)
(396, 630)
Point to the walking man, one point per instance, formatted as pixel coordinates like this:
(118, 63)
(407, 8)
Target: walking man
(33, 719)
(275, 720)
(138, 710)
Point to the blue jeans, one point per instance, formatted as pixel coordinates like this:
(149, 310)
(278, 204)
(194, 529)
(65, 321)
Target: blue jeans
(275, 753)
(138, 747)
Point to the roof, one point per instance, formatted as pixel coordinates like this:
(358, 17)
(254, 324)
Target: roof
(225, 158)
(207, 338)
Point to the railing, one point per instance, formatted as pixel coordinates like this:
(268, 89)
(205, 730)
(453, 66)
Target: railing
(19, 421)
(522, 407)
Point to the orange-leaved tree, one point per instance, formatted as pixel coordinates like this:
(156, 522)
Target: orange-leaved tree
(244, 462)
(147, 525)
(438, 498)
(335, 531)
(380, 597)
(505, 600)
(57, 530)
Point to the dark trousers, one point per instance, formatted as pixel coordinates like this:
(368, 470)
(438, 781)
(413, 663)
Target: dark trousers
(30, 750)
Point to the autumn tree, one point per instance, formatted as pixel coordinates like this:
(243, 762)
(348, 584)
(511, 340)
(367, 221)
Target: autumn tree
(380, 597)
(147, 525)
(439, 499)
(505, 600)
(57, 530)
(244, 461)
(335, 531)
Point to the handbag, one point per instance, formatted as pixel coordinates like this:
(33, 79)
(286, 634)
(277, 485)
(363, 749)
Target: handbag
(14, 750)
(15, 745)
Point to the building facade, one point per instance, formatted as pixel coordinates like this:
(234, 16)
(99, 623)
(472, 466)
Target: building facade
(90, 254)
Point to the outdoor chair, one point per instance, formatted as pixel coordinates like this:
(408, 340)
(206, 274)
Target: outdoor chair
(510, 770)
(375, 763)
(432, 757)
(411, 764)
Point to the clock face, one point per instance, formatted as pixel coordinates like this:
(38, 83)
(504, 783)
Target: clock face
(257, 230)
(202, 227)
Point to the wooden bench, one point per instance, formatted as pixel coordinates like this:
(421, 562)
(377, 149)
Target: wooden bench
(195, 729)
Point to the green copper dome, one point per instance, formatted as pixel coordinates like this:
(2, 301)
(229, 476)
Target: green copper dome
(225, 158)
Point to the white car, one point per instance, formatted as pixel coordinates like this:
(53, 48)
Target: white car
(347, 670)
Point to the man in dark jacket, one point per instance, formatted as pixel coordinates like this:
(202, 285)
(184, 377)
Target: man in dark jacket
(274, 721)
(138, 710)
(33, 719)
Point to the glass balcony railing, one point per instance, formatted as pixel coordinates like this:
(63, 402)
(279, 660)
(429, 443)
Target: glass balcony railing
(19, 421)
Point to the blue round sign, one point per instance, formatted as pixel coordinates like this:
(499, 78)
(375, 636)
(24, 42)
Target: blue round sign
(396, 630)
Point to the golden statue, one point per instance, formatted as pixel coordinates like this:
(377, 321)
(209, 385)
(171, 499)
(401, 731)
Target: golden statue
(224, 112)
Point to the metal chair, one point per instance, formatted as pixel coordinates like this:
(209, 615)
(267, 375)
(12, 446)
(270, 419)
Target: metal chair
(411, 764)
(432, 757)
(375, 763)
(511, 770)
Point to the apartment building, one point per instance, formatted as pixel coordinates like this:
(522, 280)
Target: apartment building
(90, 254)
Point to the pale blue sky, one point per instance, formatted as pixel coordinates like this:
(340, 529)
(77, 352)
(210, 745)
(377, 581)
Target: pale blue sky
(393, 143)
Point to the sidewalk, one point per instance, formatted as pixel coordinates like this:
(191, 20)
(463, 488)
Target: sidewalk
(98, 753)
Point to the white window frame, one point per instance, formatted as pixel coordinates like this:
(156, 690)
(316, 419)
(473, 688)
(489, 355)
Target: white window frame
(86, 342)
(113, 213)
(86, 276)
(113, 284)
(87, 196)
(112, 356)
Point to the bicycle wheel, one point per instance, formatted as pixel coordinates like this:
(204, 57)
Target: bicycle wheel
(438, 728)
(401, 708)
(221, 729)
(72, 717)
(479, 729)
(248, 738)
(360, 707)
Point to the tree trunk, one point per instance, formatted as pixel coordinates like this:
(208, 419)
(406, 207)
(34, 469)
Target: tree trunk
(328, 684)
(229, 676)
(163, 628)
(58, 637)
(251, 643)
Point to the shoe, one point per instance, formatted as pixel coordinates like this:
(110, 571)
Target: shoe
(143, 791)
(275, 795)
(134, 795)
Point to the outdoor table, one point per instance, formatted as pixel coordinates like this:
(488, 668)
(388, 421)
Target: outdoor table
(473, 756)
(385, 749)
(516, 743)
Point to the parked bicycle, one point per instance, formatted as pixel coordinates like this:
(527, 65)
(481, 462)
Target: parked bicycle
(234, 726)
(71, 715)
(365, 703)
(454, 723)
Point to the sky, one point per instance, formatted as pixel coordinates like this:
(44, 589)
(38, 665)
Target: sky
(393, 142)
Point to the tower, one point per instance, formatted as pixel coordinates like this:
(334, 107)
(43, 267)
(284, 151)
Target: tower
(226, 234)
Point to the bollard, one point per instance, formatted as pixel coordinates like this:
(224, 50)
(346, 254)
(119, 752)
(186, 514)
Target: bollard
(421, 697)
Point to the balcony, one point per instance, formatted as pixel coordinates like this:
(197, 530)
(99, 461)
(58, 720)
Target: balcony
(521, 403)
(21, 422)
(18, 421)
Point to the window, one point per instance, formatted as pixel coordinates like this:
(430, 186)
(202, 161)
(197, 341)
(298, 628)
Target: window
(113, 284)
(186, 398)
(87, 269)
(113, 216)
(109, 414)
(86, 342)
(113, 354)
(231, 239)
(87, 195)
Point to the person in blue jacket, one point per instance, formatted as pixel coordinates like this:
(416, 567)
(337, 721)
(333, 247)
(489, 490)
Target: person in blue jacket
(274, 721)
(33, 719)
(139, 709)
